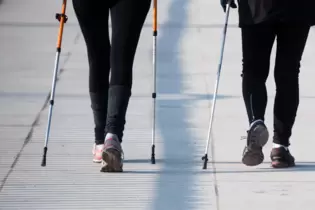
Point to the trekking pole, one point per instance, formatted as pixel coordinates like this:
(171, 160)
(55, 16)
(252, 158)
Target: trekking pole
(154, 79)
(205, 157)
(62, 18)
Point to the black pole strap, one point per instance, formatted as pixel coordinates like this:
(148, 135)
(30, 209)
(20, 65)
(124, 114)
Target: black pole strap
(59, 16)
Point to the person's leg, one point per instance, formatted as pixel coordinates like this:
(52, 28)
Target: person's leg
(257, 42)
(290, 47)
(127, 21)
(93, 20)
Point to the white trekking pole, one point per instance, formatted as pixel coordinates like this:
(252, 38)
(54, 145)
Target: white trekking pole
(205, 157)
(62, 18)
(154, 80)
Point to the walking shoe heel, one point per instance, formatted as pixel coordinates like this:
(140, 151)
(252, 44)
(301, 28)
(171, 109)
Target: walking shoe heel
(112, 161)
(281, 158)
(257, 138)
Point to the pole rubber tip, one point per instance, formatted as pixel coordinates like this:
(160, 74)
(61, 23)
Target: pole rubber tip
(44, 157)
(153, 154)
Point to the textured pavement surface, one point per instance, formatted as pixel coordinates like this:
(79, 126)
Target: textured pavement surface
(188, 51)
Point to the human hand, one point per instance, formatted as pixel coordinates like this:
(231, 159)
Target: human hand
(226, 2)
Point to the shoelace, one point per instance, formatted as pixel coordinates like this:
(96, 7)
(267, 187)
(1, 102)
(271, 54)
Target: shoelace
(246, 137)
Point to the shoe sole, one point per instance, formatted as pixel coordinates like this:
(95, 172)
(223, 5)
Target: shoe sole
(111, 161)
(97, 161)
(253, 154)
(281, 164)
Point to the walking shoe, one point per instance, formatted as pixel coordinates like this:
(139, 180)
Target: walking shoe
(97, 153)
(257, 137)
(112, 155)
(281, 158)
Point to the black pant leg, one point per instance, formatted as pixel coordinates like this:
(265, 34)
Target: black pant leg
(290, 46)
(127, 18)
(93, 20)
(257, 42)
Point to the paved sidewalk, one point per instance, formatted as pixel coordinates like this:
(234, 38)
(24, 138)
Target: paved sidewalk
(188, 52)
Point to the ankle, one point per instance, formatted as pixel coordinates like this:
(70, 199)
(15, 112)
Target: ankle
(111, 136)
(256, 121)
(275, 145)
(99, 142)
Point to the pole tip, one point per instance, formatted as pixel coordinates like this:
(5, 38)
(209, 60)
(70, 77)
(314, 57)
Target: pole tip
(44, 157)
(205, 163)
(153, 154)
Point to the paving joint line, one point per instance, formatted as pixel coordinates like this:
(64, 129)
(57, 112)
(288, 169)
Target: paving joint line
(37, 118)
(215, 180)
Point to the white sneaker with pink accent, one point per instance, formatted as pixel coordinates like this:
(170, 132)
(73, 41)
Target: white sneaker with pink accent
(97, 153)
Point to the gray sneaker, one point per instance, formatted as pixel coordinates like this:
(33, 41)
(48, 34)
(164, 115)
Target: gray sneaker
(112, 154)
(257, 137)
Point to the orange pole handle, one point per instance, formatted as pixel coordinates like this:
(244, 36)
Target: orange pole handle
(155, 15)
(62, 21)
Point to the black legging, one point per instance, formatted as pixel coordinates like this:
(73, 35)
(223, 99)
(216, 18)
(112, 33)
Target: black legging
(257, 45)
(127, 17)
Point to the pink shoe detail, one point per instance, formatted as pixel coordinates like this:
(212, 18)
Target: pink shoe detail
(97, 153)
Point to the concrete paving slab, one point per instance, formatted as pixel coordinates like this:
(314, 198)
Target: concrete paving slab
(32, 66)
(188, 53)
(12, 137)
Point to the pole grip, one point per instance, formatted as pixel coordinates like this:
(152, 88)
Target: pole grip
(155, 17)
(62, 19)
